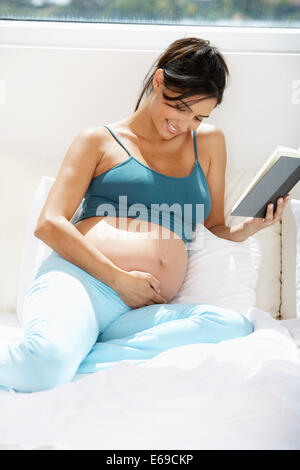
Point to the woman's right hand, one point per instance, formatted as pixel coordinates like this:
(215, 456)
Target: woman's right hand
(138, 288)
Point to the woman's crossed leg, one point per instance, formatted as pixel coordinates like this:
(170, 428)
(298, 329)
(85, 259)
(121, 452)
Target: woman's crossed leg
(142, 333)
(76, 323)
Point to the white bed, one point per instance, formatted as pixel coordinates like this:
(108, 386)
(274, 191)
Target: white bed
(239, 394)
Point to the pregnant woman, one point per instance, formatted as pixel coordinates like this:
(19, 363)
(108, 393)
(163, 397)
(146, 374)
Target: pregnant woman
(102, 294)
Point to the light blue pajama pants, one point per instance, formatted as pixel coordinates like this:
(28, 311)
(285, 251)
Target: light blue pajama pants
(74, 323)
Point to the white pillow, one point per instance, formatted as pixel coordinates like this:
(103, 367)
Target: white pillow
(268, 290)
(295, 206)
(34, 249)
(20, 174)
(221, 272)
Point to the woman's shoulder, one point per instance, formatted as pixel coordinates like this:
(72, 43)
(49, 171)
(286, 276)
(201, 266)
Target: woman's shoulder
(96, 134)
(209, 130)
(92, 134)
(211, 141)
(209, 136)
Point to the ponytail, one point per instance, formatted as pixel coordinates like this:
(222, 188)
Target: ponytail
(191, 66)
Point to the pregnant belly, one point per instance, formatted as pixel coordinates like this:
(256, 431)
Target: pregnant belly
(138, 245)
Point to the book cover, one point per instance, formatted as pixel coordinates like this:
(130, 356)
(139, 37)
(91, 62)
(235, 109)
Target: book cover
(275, 179)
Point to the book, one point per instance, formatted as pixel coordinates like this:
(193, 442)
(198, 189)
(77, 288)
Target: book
(279, 174)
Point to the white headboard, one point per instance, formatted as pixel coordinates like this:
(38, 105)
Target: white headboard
(288, 307)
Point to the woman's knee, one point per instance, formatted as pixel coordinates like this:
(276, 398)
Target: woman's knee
(235, 325)
(43, 366)
(222, 323)
(240, 325)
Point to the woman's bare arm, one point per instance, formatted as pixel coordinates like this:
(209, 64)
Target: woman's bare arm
(54, 227)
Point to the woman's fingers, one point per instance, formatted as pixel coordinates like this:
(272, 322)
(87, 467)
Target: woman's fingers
(159, 299)
(281, 203)
(273, 217)
(155, 283)
(269, 214)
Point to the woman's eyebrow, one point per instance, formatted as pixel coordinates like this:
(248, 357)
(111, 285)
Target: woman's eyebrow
(183, 102)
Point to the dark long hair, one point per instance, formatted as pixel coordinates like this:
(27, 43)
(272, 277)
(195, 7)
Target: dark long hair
(190, 66)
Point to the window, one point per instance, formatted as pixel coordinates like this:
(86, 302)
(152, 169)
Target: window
(250, 13)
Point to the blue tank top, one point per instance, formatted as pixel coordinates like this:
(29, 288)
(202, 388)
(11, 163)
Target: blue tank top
(132, 189)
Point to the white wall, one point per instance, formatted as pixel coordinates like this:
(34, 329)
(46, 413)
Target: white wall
(52, 93)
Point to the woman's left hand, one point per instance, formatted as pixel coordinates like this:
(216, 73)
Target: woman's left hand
(271, 218)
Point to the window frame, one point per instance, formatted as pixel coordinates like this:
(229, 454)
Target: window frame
(85, 35)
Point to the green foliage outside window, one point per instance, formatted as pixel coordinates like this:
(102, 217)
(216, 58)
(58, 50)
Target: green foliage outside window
(221, 12)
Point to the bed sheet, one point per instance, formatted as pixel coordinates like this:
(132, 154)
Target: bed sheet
(239, 394)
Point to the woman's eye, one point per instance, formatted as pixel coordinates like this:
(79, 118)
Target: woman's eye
(184, 109)
(176, 106)
(180, 108)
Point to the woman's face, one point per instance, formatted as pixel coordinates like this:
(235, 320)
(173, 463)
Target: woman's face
(172, 118)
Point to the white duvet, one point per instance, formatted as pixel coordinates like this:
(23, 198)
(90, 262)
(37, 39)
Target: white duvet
(239, 394)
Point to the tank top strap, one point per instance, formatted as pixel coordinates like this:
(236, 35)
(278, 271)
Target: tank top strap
(122, 145)
(118, 140)
(195, 146)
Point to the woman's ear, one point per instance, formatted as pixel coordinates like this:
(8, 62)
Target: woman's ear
(158, 79)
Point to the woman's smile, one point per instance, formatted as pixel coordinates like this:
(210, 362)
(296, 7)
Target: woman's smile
(171, 128)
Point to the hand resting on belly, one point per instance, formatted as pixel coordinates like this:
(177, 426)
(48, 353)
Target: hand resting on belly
(139, 247)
